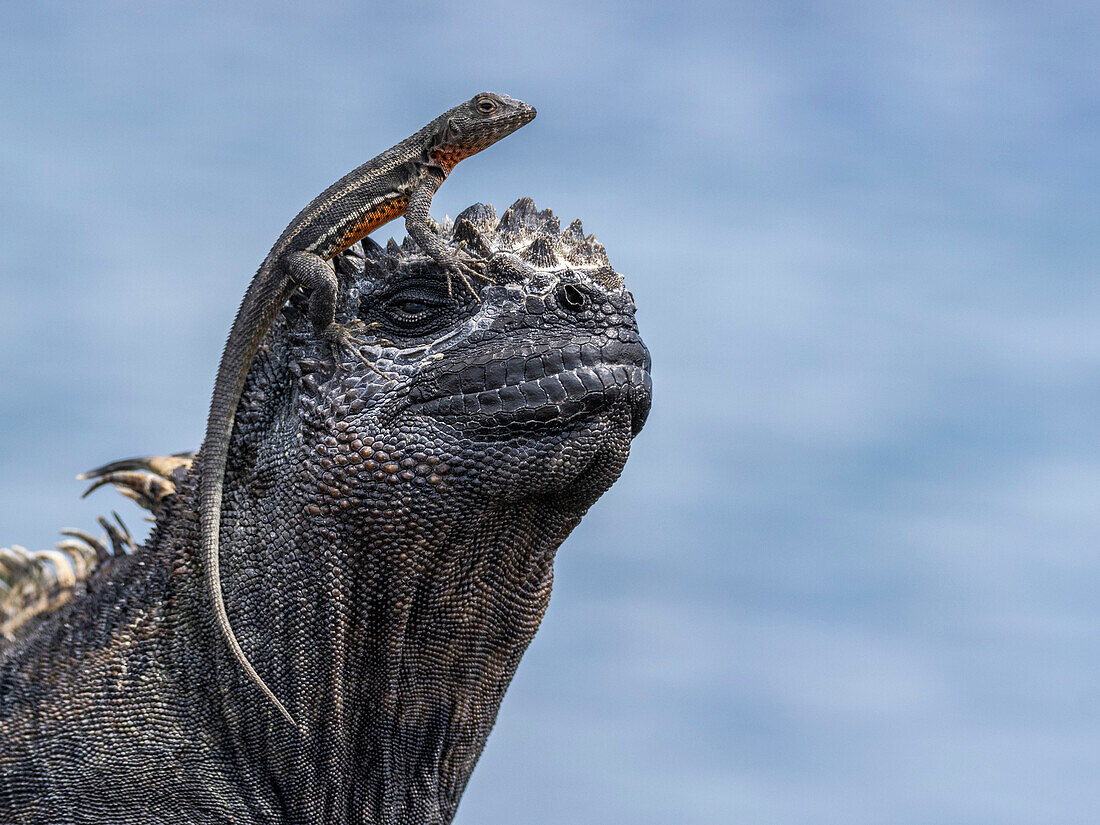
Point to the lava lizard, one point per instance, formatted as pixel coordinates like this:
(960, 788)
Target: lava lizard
(400, 181)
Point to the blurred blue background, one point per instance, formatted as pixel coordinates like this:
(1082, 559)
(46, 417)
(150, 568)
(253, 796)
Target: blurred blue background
(850, 574)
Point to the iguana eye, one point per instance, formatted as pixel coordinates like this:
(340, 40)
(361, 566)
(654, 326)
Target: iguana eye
(486, 106)
(414, 308)
(411, 307)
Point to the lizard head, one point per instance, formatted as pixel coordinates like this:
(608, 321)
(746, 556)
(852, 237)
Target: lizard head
(477, 124)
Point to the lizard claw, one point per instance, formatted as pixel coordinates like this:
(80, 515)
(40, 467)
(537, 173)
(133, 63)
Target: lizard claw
(465, 270)
(361, 326)
(342, 343)
(460, 249)
(473, 263)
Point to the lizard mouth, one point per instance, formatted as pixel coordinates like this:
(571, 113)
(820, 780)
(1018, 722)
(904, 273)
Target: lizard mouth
(551, 387)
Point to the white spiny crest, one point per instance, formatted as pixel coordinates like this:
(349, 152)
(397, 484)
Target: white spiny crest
(33, 583)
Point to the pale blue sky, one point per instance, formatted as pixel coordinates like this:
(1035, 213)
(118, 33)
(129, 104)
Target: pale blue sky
(850, 574)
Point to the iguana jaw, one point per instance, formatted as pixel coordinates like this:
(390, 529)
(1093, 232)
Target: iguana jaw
(552, 399)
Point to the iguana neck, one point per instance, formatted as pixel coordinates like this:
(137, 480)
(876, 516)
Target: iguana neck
(394, 652)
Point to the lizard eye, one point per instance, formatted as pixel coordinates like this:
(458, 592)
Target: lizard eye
(486, 106)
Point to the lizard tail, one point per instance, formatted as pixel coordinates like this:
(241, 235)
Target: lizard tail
(255, 316)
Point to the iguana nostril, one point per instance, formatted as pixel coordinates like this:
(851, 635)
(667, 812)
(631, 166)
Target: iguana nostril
(572, 297)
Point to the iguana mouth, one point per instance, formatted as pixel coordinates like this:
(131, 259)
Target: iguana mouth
(549, 387)
(553, 398)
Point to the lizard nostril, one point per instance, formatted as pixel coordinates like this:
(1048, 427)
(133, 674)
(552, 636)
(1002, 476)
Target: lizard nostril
(572, 297)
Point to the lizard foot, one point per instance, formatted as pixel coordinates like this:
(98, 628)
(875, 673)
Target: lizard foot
(456, 267)
(343, 343)
(361, 327)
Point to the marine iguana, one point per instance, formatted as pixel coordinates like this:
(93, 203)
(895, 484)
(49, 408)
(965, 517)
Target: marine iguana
(388, 543)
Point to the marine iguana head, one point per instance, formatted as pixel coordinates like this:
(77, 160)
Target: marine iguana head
(533, 390)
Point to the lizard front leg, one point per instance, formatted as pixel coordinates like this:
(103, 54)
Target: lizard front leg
(318, 277)
(416, 224)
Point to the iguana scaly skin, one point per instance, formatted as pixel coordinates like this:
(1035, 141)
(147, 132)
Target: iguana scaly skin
(387, 546)
(400, 181)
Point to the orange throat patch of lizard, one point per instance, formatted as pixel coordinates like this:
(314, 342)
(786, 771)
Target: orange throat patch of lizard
(449, 158)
